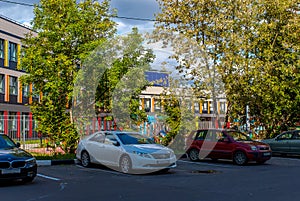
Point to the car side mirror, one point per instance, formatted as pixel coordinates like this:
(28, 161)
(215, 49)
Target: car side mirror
(116, 143)
(18, 144)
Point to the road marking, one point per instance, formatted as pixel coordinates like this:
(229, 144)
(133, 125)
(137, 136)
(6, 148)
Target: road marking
(48, 177)
(208, 164)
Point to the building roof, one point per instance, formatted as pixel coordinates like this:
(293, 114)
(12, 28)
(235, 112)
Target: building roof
(158, 78)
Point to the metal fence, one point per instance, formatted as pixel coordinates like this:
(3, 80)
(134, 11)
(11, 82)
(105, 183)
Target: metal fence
(22, 129)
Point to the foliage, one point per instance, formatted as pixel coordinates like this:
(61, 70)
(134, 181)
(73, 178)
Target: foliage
(177, 109)
(54, 156)
(66, 33)
(126, 76)
(253, 46)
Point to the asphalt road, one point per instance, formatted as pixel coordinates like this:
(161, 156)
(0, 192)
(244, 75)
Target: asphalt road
(277, 180)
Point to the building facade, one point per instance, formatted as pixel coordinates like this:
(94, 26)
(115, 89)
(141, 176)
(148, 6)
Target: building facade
(14, 97)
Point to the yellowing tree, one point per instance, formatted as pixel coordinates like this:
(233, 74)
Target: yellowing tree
(252, 45)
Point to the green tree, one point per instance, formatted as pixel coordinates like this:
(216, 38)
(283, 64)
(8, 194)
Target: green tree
(191, 28)
(134, 60)
(177, 114)
(253, 46)
(66, 34)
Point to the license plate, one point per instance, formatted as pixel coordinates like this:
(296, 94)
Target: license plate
(163, 162)
(11, 171)
(267, 154)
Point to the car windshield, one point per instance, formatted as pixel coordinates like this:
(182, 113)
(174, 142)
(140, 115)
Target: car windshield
(6, 142)
(238, 136)
(134, 138)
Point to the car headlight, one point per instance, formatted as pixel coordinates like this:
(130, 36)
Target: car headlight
(31, 162)
(253, 148)
(172, 154)
(141, 154)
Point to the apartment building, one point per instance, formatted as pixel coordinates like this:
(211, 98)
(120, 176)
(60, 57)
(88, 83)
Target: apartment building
(14, 97)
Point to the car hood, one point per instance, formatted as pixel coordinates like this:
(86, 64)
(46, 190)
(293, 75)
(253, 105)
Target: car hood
(14, 154)
(267, 140)
(147, 148)
(255, 143)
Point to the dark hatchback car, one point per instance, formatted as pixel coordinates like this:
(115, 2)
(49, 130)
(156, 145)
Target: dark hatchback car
(226, 144)
(15, 163)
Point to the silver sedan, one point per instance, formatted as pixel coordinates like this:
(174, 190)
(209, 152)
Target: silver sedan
(129, 152)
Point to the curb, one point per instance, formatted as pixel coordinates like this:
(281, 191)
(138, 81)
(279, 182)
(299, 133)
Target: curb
(56, 162)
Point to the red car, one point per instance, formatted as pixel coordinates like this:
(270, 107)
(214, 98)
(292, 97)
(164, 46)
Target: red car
(226, 144)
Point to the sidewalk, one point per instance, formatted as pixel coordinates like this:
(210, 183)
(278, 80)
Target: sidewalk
(56, 162)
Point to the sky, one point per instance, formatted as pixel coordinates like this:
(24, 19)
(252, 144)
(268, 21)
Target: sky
(126, 8)
(143, 9)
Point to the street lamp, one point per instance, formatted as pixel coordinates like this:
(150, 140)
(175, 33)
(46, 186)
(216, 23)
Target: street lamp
(248, 110)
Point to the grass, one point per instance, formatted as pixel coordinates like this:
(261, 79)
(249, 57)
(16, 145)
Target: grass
(57, 156)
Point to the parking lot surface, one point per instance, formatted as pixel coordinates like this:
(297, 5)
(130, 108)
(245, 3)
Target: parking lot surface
(278, 179)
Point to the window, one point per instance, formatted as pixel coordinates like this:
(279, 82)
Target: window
(13, 85)
(296, 135)
(196, 107)
(201, 135)
(1, 49)
(99, 137)
(25, 90)
(211, 107)
(204, 106)
(2, 83)
(13, 52)
(35, 93)
(110, 139)
(25, 121)
(285, 136)
(12, 121)
(147, 104)
(157, 105)
(222, 107)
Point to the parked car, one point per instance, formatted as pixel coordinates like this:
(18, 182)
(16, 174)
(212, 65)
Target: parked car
(285, 143)
(128, 151)
(15, 163)
(226, 144)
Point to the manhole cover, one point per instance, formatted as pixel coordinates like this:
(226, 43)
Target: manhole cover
(205, 171)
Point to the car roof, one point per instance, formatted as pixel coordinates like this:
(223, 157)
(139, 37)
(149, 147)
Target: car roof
(117, 132)
(216, 129)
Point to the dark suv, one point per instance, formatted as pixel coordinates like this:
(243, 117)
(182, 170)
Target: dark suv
(226, 144)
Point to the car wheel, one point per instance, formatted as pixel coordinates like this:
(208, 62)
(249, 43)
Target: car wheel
(85, 159)
(240, 158)
(125, 164)
(194, 154)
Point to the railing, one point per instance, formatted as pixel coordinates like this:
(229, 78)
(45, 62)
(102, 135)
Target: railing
(22, 129)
